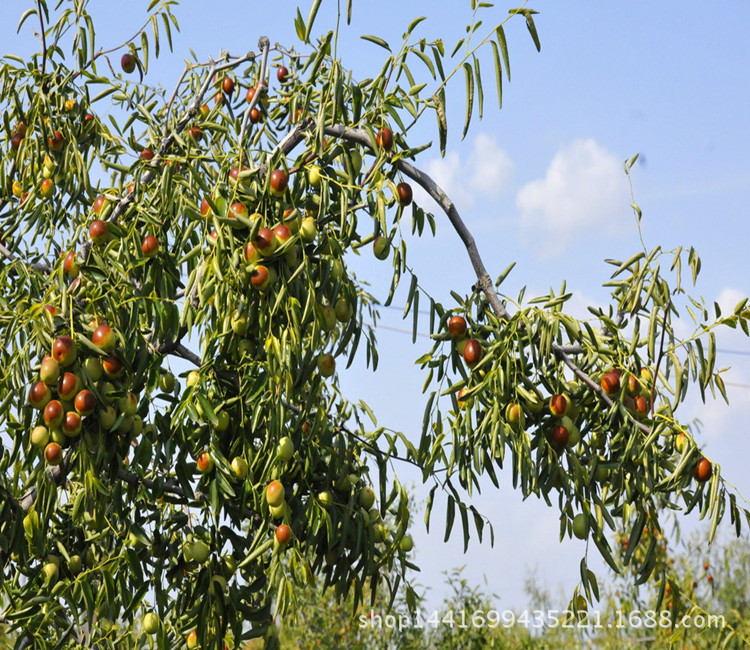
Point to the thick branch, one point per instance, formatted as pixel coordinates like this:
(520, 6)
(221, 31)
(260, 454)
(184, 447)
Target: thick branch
(362, 137)
(484, 281)
(188, 355)
(43, 35)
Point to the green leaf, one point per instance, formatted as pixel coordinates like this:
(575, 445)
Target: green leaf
(144, 49)
(498, 74)
(442, 121)
(167, 30)
(414, 23)
(26, 14)
(155, 27)
(208, 411)
(311, 19)
(500, 33)
(469, 74)
(628, 263)
(299, 26)
(428, 507)
(415, 90)
(450, 516)
(532, 28)
(376, 40)
(480, 92)
(426, 60)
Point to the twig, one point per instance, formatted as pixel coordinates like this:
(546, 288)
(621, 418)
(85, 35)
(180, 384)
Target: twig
(44, 37)
(375, 450)
(172, 98)
(112, 49)
(263, 45)
(667, 307)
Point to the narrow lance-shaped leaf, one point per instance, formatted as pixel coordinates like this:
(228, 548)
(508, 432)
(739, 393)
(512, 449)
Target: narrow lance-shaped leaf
(414, 23)
(500, 34)
(480, 92)
(469, 74)
(498, 74)
(442, 121)
(376, 40)
(311, 19)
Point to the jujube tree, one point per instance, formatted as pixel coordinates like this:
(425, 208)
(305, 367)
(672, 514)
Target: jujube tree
(225, 210)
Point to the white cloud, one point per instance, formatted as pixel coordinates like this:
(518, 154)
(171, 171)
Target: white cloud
(487, 171)
(728, 299)
(584, 192)
(490, 167)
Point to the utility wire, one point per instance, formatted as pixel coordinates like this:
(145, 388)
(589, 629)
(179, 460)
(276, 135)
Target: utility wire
(745, 353)
(401, 330)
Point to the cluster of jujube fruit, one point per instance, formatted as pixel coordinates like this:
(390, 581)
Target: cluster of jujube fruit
(83, 391)
(554, 422)
(39, 176)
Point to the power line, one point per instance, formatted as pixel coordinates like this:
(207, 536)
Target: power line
(401, 330)
(744, 353)
(726, 351)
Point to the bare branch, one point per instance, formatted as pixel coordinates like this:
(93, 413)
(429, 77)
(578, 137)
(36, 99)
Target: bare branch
(186, 354)
(263, 45)
(43, 35)
(172, 98)
(362, 137)
(485, 284)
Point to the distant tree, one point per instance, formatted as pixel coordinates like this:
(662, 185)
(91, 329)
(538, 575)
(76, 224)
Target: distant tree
(141, 510)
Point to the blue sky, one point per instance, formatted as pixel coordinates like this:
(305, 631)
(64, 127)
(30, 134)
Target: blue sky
(541, 183)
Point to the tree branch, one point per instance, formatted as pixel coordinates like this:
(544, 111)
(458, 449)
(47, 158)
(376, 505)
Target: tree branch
(361, 136)
(44, 37)
(171, 100)
(484, 281)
